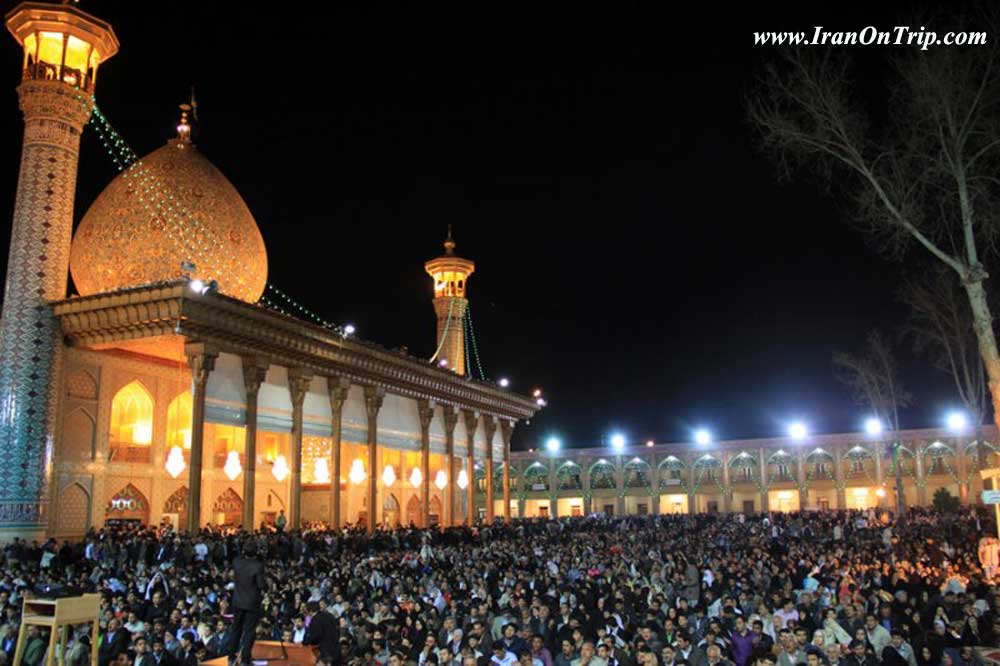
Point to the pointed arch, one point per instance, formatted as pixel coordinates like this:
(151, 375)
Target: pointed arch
(390, 510)
(73, 511)
(79, 436)
(128, 504)
(131, 428)
(413, 511)
(228, 508)
(435, 510)
(177, 502)
(603, 475)
(179, 421)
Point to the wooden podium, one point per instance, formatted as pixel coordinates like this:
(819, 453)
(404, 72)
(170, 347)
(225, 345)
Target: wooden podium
(59, 615)
(275, 654)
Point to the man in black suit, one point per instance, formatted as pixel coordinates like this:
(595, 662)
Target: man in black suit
(323, 631)
(115, 642)
(248, 598)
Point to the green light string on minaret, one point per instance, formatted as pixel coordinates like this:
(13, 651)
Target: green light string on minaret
(444, 336)
(475, 346)
(468, 363)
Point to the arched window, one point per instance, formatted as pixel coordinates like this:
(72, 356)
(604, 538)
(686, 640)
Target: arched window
(179, 422)
(131, 430)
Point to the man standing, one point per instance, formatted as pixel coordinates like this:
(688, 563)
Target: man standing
(248, 598)
(324, 632)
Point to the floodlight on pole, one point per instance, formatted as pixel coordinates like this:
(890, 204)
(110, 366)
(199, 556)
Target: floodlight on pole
(702, 436)
(798, 431)
(618, 441)
(873, 426)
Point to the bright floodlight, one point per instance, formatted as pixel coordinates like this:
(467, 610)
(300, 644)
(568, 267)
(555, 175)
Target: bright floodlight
(649, 444)
(504, 382)
(873, 426)
(443, 362)
(349, 329)
(553, 444)
(880, 492)
(798, 430)
(537, 393)
(618, 441)
(957, 421)
(702, 436)
(197, 286)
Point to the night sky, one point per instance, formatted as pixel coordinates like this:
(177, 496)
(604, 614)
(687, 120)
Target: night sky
(636, 256)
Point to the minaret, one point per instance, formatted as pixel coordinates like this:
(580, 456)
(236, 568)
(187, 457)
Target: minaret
(63, 47)
(450, 275)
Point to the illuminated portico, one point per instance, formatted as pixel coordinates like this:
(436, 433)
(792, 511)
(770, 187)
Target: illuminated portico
(819, 472)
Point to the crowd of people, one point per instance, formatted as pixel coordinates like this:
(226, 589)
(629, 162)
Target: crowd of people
(819, 588)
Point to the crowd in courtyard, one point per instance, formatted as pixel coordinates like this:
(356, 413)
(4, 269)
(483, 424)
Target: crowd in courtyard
(821, 589)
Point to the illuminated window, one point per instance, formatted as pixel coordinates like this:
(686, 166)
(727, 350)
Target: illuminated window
(131, 430)
(316, 452)
(179, 422)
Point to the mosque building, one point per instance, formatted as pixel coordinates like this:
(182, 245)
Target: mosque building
(163, 391)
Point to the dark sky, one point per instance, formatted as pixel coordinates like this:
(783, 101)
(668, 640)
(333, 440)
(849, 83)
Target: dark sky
(636, 256)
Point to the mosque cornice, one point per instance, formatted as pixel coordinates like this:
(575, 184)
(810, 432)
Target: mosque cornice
(233, 326)
(825, 443)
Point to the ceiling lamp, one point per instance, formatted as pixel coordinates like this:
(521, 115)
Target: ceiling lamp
(357, 474)
(441, 480)
(233, 466)
(321, 471)
(175, 462)
(280, 468)
(416, 477)
(388, 476)
(463, 479)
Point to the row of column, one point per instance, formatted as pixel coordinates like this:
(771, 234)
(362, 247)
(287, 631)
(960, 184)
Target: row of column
(201, 360)
(801, 479)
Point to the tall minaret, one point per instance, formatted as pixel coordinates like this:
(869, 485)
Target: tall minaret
(450, 274)
(63, 47)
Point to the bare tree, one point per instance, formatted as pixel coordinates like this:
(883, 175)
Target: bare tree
(874, 382)
(940, 325)
(928, 178)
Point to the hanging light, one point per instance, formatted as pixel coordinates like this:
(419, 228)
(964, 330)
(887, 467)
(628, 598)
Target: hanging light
(357, 474)
(441, 480)
(321, 471)
(388, 476)
(175, 462)
(280, 468)
(463, 479)
(233, 467)
(416, 477)
(142, 433)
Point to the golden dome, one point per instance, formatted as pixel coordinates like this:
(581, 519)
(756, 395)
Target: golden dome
(171, 206)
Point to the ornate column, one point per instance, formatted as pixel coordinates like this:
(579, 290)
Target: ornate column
(654, 482)
(838, 477)
(298, 385)
(506, 433)
(689, 470)
(374, 395)
(426, 410)
(553, 488)
(450, 421)
(490, 426)
(201, 360)
(800, 479)
(963, 472)
(338, 388)
(588, 494)
(879, 478)
(471, 424)
(762, 461)
(620, 485)
(918, 455)
(254, 371)
(727, 484)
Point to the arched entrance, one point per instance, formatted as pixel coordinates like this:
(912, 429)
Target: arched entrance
(228, 508)
(127, 507)
(390, 511)
(73, 512)
(175, 509)
(435, 512)
(413, 511)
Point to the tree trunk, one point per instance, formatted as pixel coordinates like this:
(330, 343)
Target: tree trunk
(982, 322)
